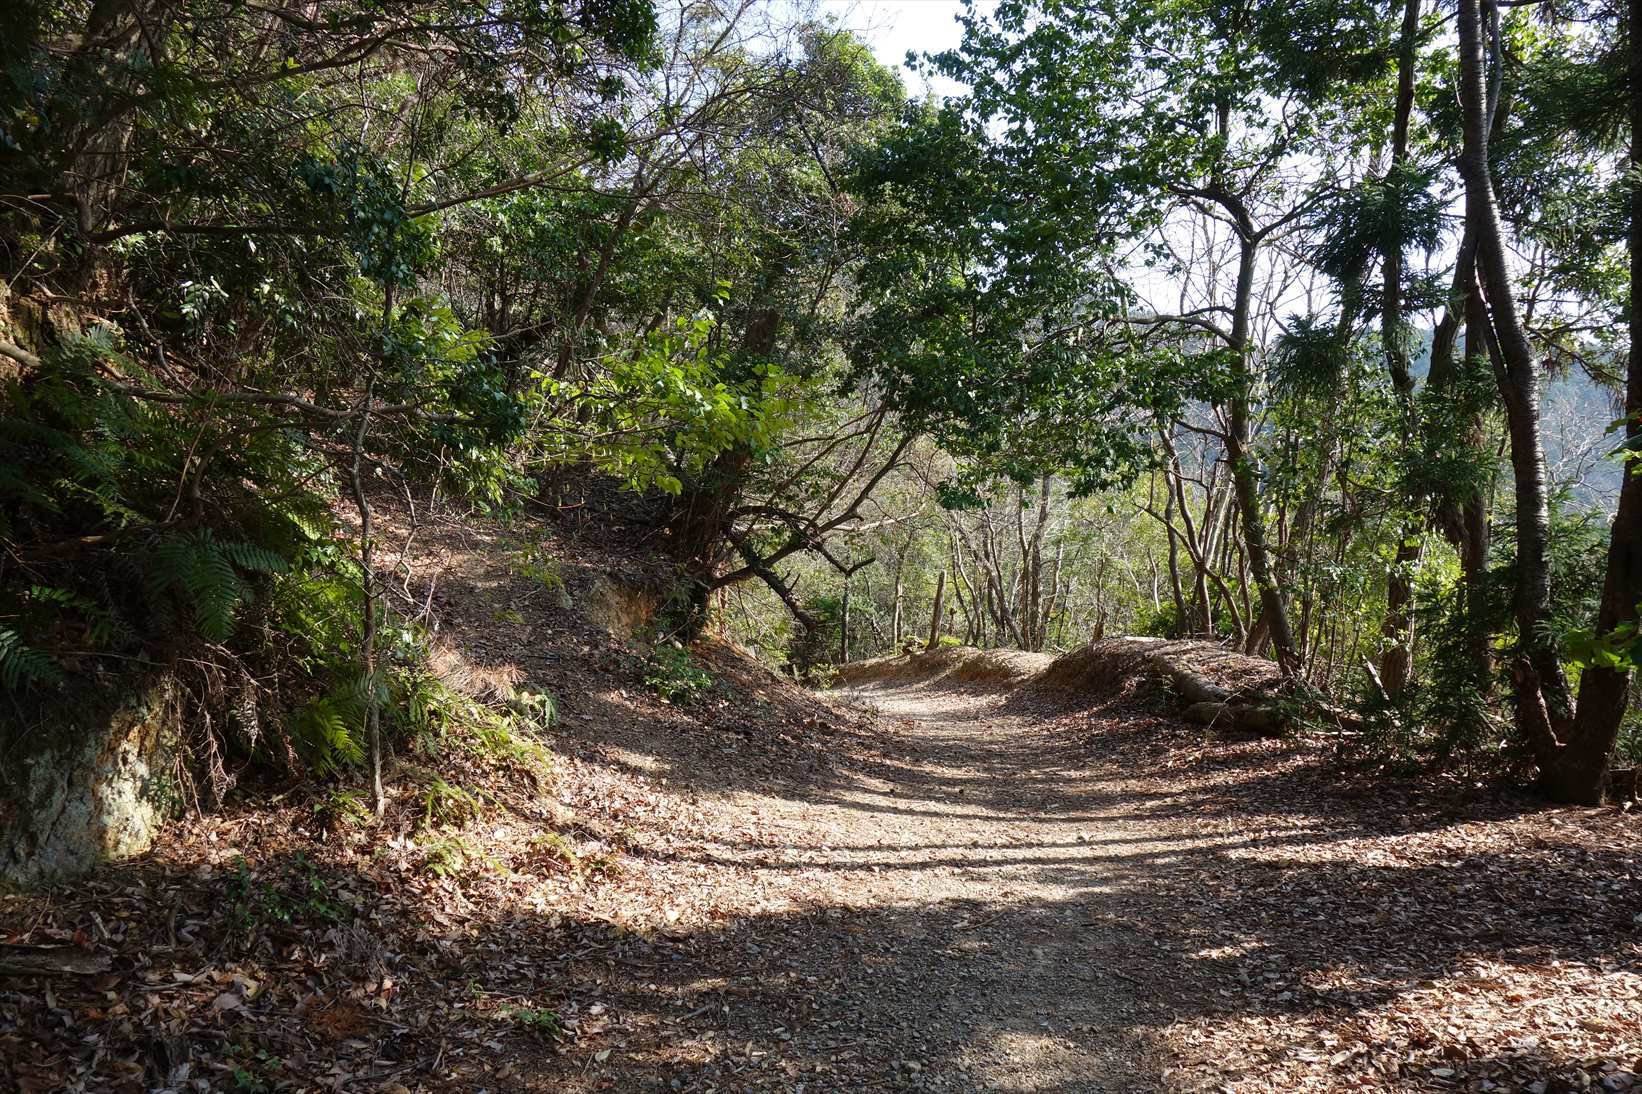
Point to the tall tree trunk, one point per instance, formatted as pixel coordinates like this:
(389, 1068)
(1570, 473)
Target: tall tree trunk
(96, 135)
(1603, 691)
(700, 524)
(1246, 471)
(1462, 517)
(1181, 624)
(1396, 664)
(935, 616)
(1199, 619)
(895, 613)
(1543, 707)
(1037, 615)
(369, 624)
(844, 625)
(697, 531)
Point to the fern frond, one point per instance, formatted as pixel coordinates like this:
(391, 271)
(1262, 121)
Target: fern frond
(349, 699)
(313, 523)
(168, 563)
(205, 570)
(327, 732)
(13, 484)
(22, 667)
(21, 431)
(104, 627)
(216, 590)
(258, 560)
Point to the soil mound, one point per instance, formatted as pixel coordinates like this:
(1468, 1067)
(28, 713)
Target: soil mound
(952, 666)
(1214, 685)
(1114, 664)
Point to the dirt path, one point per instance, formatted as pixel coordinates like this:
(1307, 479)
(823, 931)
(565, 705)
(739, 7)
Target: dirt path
(963, 893)
(753, 890)
(996, 867)
(968, 911)
(997, 899)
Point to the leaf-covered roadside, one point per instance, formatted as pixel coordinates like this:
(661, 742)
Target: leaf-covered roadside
(1347, 929)
(291, 944)
(750, 890)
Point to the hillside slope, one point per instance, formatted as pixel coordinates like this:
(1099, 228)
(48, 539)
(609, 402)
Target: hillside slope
(940, 878)
(286, 941)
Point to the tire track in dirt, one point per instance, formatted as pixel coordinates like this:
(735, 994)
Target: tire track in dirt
(964, 913)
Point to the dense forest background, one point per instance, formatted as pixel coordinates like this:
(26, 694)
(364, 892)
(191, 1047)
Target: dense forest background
(1302, 326)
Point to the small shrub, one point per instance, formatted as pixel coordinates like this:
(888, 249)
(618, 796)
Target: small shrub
(673, 674)
(499, 738)
(301, 895)
(536, 1020)
(822, 676)
(815, 646)
(260, 1074)
(555, 848)
(1445, 713)
(1159, 622)
(1628, 752)
(552, 848)
(600, 864)
(447, 806)
(449, 855)
(539, 566)
(537, 709)
(342, 807)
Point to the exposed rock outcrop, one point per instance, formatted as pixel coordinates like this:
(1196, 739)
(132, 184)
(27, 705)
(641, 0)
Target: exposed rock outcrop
(90, 783)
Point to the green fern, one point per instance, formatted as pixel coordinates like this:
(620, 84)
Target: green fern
(448, 806)
(343, 807)
(207, 573)
(254, 559)
(330, 729)
(22, 667)
(14, 484)
(104, 627)
(329, 737)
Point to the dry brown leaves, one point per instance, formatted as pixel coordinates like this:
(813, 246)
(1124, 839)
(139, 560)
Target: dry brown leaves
(1287, 926)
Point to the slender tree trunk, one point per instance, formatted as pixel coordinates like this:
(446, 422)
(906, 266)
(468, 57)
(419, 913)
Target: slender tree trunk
(1603, 691)
(844, 626)
(1396, 664)
(1038, 611)
(895, 615)
(1543, 706)
(976, 597)
(1181, 623)
(1004, 597)
(1223, 537)
(986, 591)
(367, 575)
(1199, 548)
(1393, 336)
(1053, 603)
(1202, 546)
(1462, 518)
(1246, 471)
(935, 616)
(900, 591)
(963, 600)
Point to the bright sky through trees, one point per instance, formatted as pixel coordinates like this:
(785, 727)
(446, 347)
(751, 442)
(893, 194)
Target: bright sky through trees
(894, 27)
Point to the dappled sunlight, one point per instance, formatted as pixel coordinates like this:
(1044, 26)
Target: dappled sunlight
(910, 922)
